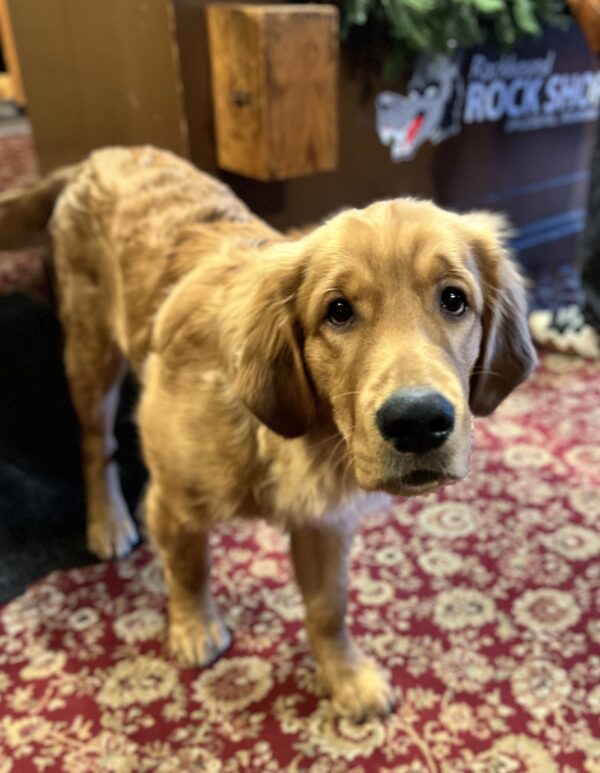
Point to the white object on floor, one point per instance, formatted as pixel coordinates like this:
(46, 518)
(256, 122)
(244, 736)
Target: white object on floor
(566, 331)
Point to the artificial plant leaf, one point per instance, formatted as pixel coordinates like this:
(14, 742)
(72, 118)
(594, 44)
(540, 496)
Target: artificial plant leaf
(525, 17)
(357, 11)
(488, 6)
(421, 6)
(505, 30)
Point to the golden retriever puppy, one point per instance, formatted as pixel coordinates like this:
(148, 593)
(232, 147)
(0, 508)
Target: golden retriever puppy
(281, 378)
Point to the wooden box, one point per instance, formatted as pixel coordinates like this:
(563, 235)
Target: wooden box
(274, 85)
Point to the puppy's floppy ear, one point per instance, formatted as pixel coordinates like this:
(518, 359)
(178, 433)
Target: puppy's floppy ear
(507, 356)
(271, 378)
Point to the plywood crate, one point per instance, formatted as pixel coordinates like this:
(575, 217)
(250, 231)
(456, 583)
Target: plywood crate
(274, 81)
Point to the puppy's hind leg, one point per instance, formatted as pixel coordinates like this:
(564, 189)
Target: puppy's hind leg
(197, 635)
(95, 369)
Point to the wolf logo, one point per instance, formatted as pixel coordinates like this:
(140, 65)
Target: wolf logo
(432, 110)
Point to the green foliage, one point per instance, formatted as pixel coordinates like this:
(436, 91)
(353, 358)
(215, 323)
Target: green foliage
(395, 31)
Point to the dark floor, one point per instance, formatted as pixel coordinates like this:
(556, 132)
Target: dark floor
(41, 494)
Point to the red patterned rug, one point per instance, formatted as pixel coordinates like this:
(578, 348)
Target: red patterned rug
(18, 165)
(21, 271)
(482, 602)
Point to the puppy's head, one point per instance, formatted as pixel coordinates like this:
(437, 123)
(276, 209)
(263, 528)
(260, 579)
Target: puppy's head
(396, 322)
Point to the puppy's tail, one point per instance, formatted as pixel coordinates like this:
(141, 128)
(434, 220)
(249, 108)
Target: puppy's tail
(24, 216)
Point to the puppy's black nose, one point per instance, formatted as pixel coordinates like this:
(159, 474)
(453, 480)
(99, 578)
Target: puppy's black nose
(416, 420)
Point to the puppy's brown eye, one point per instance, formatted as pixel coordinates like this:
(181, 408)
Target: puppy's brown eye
(454, 301)
(339, 312)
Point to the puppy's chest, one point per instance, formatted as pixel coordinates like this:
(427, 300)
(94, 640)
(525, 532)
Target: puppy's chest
(297, 485)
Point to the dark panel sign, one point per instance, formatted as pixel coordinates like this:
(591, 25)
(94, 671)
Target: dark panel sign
(513, 131)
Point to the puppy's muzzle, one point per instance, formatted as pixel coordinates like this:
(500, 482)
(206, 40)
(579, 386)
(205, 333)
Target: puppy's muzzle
(416, 420)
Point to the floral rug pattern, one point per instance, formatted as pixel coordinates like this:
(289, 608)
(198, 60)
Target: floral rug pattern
(482, 602)
(23, 270)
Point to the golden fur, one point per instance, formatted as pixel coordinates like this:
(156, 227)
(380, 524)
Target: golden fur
(253, 403)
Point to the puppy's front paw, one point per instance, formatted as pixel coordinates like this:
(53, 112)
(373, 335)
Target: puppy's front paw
(196, 643)
(360, 691)
(111, 532)
(113, 535)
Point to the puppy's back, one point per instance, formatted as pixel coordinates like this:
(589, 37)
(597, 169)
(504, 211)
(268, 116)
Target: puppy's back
(130, 224)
